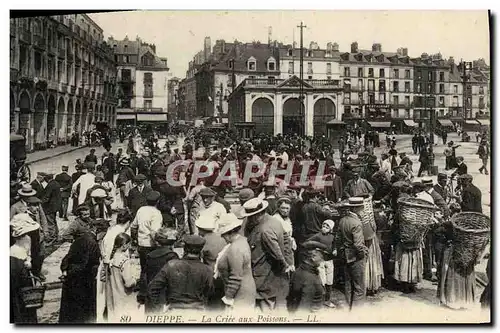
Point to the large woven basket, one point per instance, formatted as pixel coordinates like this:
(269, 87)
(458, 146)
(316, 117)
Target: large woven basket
(471, 234)
(33, 296)
(415, 216)
(368, 219)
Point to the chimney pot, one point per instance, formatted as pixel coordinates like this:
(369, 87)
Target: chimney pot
(335, 47)
(354, 47)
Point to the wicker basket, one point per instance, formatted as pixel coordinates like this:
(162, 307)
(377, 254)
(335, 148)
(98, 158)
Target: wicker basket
(471, 234)
(368, 219)
(415, 217)
(33, 296)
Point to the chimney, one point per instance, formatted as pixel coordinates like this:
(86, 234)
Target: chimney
(377, 47)
(329, 47)
(335, 47)
(237, 49)
(424, 55)
(354, 47)
(405, 51)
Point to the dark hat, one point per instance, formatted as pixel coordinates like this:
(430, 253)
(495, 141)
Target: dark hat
(245, 194)
(465, 176)
(82, 208)
(152, 196)
(313, 245)
(64, 168)
(207, 192)
(78, 167)
(32, 200)
(139, 178)
(442, 176)
(123, 216)
(194, 241)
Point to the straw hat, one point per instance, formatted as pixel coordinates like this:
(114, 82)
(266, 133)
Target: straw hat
(206, 221)
(254, 206)
(98, 193)
(26, 191)
(228, 223)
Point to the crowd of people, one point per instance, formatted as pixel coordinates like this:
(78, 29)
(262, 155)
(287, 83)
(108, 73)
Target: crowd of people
(287, 246)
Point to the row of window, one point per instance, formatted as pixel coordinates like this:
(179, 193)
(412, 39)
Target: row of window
(406, 103)
(371, 73)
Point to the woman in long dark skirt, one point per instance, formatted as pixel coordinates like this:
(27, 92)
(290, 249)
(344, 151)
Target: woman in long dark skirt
(79, 267)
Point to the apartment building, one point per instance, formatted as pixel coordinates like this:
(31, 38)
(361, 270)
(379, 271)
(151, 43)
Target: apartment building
(62, 78)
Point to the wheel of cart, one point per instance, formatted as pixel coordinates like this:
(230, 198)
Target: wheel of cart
(18, 169)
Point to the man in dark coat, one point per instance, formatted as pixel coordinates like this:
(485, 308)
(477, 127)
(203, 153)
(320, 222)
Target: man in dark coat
(108, 166)
(306, 289)
(265, 236)
(51, 203)
(314, 214)
(424, 160)
(79, 267)
(37, 184)
(75, 175)
(165, 238)
(440, 187)
(187, 283)
(91, 157)
(334, 192)
(471, 195)
(65, 182)
(144, 164)
(461, 168)
(137, 195)
(353, 251)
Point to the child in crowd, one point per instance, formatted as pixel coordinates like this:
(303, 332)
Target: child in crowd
(326, 237)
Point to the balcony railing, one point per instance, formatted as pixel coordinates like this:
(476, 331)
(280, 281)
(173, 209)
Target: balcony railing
(73, 89)
(25, 36)
(149, 109)
(357, 88)
(273, 83)
(401, 105)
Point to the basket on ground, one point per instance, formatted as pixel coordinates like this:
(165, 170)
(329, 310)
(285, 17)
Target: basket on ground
(415, 217)
(471, 234)
(33, 296)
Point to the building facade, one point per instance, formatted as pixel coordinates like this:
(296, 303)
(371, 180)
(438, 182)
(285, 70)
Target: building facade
(143, 77)
(62, 78)
(173, 98)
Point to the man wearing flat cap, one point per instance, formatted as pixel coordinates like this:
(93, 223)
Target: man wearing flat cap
(51, 203)
(470, 200)
(353, 251)
(306, 289)
(64, 180)
(187, 283)
(211, 209)
(440, 187)
(137, 195)
(38, 184)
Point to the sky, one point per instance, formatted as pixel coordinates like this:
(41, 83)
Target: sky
(179, 35)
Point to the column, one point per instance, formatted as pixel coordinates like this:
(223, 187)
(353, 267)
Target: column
(278, 113)
(30, 136)
(309, 113)
(17, 111)
(340, 107)
(248, 108)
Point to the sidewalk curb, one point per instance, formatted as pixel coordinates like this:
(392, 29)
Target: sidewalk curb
(52, 156)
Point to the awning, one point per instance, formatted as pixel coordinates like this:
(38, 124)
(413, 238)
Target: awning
(380, 124)
(472, 122)
(410, 122)
(152, 117)
(445, 122)
(484, 122)
(335, 122)
(125, 116)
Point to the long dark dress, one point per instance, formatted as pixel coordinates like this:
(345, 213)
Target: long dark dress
(78, 300)
(19, 278)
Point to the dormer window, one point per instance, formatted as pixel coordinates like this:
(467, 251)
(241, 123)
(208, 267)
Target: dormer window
(271, 64)
(252, 64)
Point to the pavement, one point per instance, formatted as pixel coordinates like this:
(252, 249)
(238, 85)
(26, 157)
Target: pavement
(424, 299)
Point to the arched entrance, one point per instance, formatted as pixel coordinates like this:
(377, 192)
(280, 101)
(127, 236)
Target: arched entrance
(61, 126)
(293, 117)
(324, 111)
(51, 120)
(25, 118)
(263, 116)
(12, 113)
(38, 122)
(85, 115)
(69, 119)
(78, 116)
